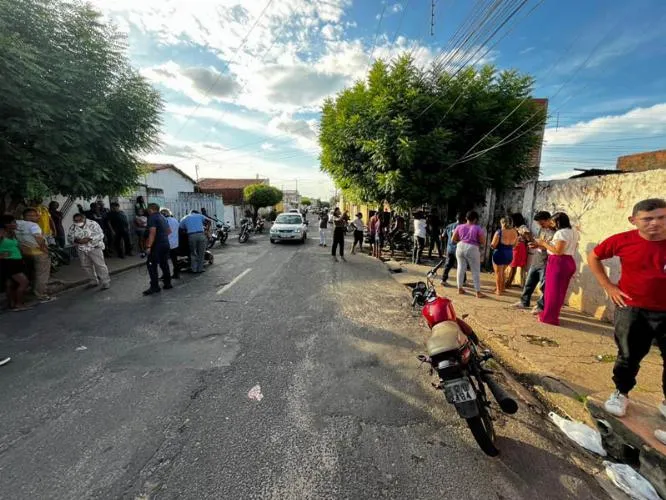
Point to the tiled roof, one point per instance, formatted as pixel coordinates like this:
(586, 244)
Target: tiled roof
(156, 167)
(217, 184)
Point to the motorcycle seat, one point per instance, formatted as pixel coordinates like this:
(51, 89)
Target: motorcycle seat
(446, 336)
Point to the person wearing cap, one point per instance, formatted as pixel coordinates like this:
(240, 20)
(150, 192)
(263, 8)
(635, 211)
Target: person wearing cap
(358, 226)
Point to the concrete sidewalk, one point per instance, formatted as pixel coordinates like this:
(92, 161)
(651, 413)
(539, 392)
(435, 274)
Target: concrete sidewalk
(569, 367)
(72, 275)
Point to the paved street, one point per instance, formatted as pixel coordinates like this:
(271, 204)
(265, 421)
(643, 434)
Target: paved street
(156, 405)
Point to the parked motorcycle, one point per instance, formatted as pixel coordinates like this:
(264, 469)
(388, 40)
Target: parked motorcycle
(401, 241)
(453, 353)
(221, 233)
(59, 257)
(245, 230)
(259, 228)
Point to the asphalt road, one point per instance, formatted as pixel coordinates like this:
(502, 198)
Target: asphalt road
(157, 406)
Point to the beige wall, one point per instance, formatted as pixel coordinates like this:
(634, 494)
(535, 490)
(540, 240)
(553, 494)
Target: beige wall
(598, 207)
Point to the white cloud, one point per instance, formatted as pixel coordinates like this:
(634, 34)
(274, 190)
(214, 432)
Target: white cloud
(396, 7)
(560, 176)
(637, 122)
(198, 83)
(267, 146)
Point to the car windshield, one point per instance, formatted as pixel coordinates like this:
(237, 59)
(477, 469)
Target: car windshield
(288, 219)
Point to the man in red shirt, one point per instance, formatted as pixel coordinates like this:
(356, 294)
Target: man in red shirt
(640, 296)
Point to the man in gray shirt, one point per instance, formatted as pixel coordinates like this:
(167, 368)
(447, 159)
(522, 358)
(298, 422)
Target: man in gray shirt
(537, 272)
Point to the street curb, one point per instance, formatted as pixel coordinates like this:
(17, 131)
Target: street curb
(70, 285)
(524, 371)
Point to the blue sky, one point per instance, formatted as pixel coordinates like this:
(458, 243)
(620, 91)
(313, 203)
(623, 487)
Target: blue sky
(243, 80)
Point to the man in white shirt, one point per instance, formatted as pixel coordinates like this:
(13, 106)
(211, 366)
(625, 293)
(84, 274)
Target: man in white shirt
(357, 223)
(173, 241)
(420, 230)
(36, 252)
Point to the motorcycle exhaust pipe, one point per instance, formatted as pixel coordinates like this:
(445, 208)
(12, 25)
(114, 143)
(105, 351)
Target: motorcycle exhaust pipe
(506, 402)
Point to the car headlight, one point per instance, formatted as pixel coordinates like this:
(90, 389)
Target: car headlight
(297, 230)
(273, 230)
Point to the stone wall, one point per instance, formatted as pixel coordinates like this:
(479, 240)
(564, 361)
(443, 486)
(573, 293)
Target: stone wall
(598, 207)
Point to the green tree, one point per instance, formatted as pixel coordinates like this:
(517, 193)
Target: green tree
(261, 195)
(76, 117)
(305, 201)
(398, 136)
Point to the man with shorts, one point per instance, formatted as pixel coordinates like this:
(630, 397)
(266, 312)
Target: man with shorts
(639, 297)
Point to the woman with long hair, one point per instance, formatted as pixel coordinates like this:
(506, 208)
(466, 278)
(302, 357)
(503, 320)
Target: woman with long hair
(469, 237)
(560, 267)
(519, 251)
(503, 244)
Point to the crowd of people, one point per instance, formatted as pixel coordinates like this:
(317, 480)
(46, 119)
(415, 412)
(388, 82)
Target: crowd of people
(25, 245)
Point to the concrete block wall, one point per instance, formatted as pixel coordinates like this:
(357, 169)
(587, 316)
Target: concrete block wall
(598, 207)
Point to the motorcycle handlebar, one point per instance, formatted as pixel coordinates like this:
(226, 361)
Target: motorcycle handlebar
(436, 268)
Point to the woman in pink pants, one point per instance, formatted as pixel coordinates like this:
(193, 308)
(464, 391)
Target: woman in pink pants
(560, 267)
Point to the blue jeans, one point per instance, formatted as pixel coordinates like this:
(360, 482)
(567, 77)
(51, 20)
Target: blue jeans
(535, 276)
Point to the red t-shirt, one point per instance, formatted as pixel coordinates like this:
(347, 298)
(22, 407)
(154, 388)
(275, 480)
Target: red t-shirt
(643, 268)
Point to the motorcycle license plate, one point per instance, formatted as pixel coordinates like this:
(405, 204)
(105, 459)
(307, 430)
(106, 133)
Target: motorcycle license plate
(459, 391)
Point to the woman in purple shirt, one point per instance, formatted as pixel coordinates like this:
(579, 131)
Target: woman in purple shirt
(469, 238)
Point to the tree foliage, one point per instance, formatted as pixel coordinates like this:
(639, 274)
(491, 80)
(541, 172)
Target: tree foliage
(398, 135)
(75, 116)
(261, 195)
(305, 201)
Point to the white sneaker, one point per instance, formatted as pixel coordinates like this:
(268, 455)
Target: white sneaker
(4, 360)
(519, 305)
(660, 435)
(617, 404)
(662, 408)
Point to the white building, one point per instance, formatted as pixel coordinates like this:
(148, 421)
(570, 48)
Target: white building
(170, 179)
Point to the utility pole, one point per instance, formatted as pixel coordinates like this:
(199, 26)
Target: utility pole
(196, 170)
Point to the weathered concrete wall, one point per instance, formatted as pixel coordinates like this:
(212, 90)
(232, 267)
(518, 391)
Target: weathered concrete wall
(598, 207)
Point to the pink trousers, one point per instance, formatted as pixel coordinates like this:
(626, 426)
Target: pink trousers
(559, 271)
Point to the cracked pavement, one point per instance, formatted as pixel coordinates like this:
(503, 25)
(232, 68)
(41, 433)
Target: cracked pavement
(157, 405)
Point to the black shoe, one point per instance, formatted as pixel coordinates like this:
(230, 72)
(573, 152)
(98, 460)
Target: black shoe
(175, 276)
(167, 286)
(151, 291)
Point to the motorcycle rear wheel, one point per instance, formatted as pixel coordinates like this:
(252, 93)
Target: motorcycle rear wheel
(483, 430)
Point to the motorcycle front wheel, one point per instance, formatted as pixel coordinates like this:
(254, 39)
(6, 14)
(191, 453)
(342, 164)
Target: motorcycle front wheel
(483, 430)
(223, 238)
(243, 237)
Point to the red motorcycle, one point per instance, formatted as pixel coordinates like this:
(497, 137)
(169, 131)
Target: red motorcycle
(454, 354)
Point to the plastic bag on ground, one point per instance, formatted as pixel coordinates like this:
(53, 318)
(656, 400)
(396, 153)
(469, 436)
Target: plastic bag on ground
(584, 435)
(630, 481)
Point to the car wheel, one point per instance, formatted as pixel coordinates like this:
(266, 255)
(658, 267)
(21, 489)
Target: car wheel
(273, 241)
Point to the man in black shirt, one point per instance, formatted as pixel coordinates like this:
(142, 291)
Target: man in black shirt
(433, 227)
(157, 248)
(120, 227)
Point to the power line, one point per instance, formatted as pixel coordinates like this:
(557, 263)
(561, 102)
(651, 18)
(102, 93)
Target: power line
(217, 79)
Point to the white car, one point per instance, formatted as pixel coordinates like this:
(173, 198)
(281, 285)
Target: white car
(290, 227)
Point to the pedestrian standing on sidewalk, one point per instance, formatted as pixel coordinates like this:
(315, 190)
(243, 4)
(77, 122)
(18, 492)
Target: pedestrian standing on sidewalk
(536, 276)
(323, 227)
(173, 241)
(88, 238)
(560, 267)
(120, 230)
(140, 222)
(339, 229)
(12, 266)
(503, 243)
(56, 217)
(447, 240)
(193, 223)
(639, 297)
(357, 223)
(420, 232)
(434, 225)
(157, 249)
(519, 260)
(374, 225)
(469, 237)
(36, 252)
